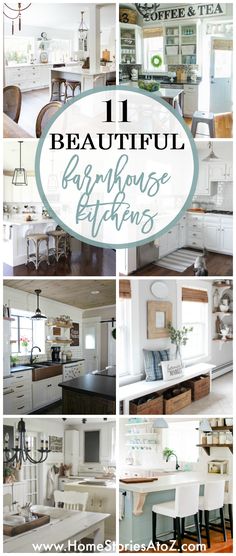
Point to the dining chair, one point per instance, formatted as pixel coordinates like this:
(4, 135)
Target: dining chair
(45, 114)
(212, 500)
(12, 102)
(70, 499)
(184, 505)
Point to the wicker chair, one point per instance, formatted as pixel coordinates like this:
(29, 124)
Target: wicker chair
(45, 114)
(12, 102)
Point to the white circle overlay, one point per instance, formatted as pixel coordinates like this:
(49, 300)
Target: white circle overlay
(127, 194)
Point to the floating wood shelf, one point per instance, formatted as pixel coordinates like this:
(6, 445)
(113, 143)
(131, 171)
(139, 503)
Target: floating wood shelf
(8, 318)
(221, 340)
(207, 447)
(224, 428)
(59, 324)
(226, 286)
(226, 313)
(58, 341)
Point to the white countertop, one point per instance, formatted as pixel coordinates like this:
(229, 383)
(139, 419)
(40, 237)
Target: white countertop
(109, 484)
(171, 481)
(79, 71)
(28, 65)
(162, 92)
(19, 220)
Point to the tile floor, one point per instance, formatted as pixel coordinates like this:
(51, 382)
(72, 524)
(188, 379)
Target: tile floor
(219, 401)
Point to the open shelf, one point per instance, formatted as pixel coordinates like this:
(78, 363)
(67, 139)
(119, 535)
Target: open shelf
(207, 447)
(221, 340)
(8, 318)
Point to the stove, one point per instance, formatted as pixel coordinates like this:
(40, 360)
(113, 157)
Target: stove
(229, 212)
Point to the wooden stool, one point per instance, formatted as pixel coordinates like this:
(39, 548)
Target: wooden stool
(37, 257)
(72, 86)
(205, 118)
(60, 243)
(56, 84)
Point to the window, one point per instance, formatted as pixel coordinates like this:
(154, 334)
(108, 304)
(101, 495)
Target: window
(195, 314)
(19, 49)
(124, 336)
(60, 50)
(30, 470)
(187, 450)
(90, 337)
(26, 332)
(153, 44)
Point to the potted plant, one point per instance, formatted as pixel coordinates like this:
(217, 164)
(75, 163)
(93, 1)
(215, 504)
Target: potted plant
(25, 342)
(9, 476)
(178, 337)
(14, 359)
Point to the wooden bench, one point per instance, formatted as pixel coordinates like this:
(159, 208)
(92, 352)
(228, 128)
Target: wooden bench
(142, 388)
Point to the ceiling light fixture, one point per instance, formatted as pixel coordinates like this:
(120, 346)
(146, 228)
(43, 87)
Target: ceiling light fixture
(204, 426)
(95, 292)
(83, 31)
(38, 315)
(211, 157)
(22, 449)
(20, 174)
(13, 17)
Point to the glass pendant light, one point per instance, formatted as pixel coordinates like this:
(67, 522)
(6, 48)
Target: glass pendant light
(20, 174)
(83, 29)
(211, 157)
(38, 315)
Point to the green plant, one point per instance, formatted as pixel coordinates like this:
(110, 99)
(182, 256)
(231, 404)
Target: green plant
(178, 336)
(8, 472)
(167, 452)
(14, 359)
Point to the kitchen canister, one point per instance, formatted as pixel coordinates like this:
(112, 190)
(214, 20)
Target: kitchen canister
(220, 422)
(222, 437)
(215, 438)
(209, 439)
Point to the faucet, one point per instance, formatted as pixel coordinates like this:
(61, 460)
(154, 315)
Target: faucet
(177, 466)
(31, 353)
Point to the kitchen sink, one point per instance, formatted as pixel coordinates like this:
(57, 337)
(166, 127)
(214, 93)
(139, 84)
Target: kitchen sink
(95, 482)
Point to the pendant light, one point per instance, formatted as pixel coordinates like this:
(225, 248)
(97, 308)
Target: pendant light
(160, 423)
(21, 450)
(16, 15)
(211, 157)
(204, 426)
(20, 174)
(38, 315)
(83, 29)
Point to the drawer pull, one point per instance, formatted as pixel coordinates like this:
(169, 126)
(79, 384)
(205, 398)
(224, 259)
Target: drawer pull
(21, 407)
(20, 386)
(22, 396)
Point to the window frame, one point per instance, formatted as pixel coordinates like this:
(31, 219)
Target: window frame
(17, 315)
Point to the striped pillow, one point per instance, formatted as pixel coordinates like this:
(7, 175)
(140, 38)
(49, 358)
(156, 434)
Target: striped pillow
(152, 363)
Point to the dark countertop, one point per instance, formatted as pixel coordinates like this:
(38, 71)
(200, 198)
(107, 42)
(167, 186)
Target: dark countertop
(163, 81)
(97, 385)
(27, 367)
(21, 368)
(72, 361)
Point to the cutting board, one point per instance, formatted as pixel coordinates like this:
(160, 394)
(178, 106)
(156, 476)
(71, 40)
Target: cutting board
(13, 530)
(131, 480)
(196, 210)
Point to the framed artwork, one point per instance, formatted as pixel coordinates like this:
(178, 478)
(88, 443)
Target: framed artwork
(74, 334)
(56, 443)
(171, 369)
(159, 313)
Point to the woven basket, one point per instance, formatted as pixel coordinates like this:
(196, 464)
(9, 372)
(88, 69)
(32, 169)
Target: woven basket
(126, 15)
(149, 406)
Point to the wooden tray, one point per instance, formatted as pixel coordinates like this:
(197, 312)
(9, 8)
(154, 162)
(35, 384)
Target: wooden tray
(131, 480)
(12, 530)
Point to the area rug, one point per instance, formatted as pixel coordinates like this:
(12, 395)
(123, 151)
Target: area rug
(178, 260)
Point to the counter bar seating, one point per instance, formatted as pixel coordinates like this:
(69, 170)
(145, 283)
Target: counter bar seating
(185, 505)
(60, 243)
(213, 499)
(36, 256)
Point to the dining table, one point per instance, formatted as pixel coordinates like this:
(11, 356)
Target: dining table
(66, 528)
(12, 130)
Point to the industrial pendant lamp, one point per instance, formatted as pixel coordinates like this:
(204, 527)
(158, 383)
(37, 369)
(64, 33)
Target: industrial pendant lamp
(211, 157)
(20, 174)
(21, 450)
(38, 315)
(15, 15)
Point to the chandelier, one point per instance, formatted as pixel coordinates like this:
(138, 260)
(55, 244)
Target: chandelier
(147, 10)
(83, 29)
(21, 451)
(16, 15)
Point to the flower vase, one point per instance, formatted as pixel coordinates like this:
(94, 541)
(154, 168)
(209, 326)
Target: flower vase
(178, 354)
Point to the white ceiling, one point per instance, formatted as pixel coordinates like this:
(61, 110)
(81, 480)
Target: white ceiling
(65, 15)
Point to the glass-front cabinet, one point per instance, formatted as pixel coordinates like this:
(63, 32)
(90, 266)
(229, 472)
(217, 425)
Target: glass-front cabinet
(181, 43)
(130, 44)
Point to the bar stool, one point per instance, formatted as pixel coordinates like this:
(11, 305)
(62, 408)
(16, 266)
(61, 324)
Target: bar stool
(205, 118)
(36, 257)
(72, 86)
(213, 499)
(228, 501)
(60, 243)
(184, 505)
(56, 85)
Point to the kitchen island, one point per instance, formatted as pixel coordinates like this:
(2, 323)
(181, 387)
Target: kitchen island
(89, 395)
(138, 499)
(174, 96)
(89, 79)
(15, 230)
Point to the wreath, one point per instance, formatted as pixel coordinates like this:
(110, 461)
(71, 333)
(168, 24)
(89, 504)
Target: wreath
(113, 333)
(156, 61)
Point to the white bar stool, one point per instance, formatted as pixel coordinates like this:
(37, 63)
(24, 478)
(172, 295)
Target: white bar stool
(185, 505)
(213, 499)
(228, 501)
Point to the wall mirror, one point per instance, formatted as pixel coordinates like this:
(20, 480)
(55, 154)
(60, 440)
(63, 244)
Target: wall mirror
(159, 314)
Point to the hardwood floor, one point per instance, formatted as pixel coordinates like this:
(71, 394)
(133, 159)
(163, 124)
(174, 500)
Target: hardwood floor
(32, 102)
(85, 260)
(217, 264)
(217, 546)
(223, 127)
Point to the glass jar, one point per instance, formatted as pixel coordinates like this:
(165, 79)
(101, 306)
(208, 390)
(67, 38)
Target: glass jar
(209, 438)
(222, 437)
(220, 422)
(215, 438)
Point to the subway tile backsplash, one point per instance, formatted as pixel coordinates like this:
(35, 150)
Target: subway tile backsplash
(222, 199)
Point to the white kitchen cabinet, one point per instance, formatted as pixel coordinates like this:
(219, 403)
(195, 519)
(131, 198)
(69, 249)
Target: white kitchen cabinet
(190, 99)
(194, 234)
(17, 393)
(46, 392)
(169, 242)
(205, 184)
(19, 492)
(182, 228)
(28, 77)
(6, 346)
(130, 53)
(218, 234)
(220, 171)
(71, 450)
(229, 171)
